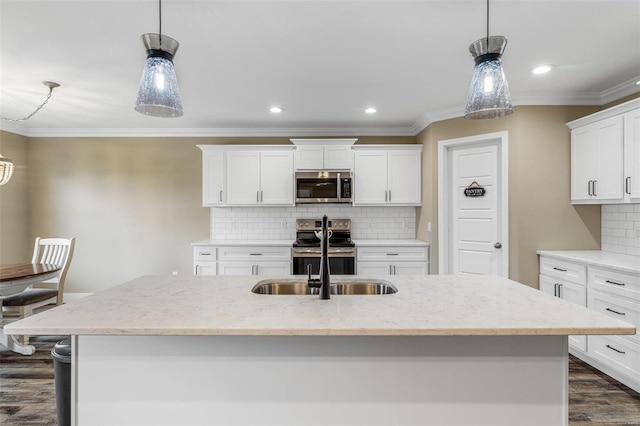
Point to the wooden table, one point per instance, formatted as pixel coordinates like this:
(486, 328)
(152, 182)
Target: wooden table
(14, 279)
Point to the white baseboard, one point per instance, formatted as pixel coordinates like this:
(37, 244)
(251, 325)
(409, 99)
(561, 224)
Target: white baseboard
(70, 297)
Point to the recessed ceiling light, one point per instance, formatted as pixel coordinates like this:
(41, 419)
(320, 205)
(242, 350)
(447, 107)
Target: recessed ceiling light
(276, 110)
(371, 110)
(638, 83)
(542, 69)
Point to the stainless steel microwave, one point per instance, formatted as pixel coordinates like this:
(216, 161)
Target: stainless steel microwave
(324, 186)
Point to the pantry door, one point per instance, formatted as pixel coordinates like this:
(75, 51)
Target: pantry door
(473, 225)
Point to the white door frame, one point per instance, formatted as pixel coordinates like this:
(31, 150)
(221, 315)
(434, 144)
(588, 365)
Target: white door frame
(444, 183)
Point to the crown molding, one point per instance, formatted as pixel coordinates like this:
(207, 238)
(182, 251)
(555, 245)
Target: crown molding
(619, 91)
(612, 94)
(220, 132)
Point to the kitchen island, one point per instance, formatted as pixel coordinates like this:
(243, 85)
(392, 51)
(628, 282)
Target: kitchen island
(446, 350)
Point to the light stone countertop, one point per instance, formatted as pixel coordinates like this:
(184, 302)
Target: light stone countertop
(614, 261)
(224, 305)
(248, 243)
(386, 243)
(288, 243)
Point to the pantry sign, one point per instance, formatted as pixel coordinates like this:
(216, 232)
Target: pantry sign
(474, 190)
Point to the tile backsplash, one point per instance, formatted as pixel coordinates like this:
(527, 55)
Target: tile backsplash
(279, 223)
(621, 228)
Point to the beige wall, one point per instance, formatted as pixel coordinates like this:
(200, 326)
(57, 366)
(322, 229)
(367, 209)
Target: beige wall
(15, 243)
(134, 204)
(540, 212)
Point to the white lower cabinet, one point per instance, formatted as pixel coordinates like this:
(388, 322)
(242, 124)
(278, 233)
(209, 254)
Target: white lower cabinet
(612, 293)
(254, 268)
(617, 353)
(571, 292)
(243, 260)
(393, 260)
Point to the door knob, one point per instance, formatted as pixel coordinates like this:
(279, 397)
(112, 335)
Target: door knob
(498, 245)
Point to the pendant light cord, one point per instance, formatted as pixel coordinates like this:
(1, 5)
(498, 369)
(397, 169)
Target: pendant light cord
(160, 21)
(487, 24)
(51, 86)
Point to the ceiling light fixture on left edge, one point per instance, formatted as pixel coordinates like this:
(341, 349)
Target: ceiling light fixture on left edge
(489, 95)
(158, 94)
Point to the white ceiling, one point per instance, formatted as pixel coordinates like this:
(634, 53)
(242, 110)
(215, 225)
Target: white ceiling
(324, 62)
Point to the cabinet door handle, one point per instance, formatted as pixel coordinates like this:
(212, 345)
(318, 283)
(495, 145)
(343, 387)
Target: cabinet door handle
(595, 193)
(389, 195)
(616, 312)
(220, 196)
(589, 187)
(614, 283)
(261, 194)
(386, 197)
(627, 185)
(390, 271)
(560, 291)
(394, 269)
(617, 350)
(197, 269)
(555, 290)
(257, 196)
(560, 269)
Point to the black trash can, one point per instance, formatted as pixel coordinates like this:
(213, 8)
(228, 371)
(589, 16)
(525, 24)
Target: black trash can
(61, 354)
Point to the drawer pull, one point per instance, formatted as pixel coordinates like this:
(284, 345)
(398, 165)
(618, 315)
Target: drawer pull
(614, 283)
(560, 269)
(617, 350)
(255, 254)
(393, 254)
(616, 312)
(204, 254)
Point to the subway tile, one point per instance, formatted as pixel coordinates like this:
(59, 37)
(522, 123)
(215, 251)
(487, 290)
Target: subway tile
(618, 216)
(625, 208)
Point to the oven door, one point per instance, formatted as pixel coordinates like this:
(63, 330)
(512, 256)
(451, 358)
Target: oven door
(342, 262)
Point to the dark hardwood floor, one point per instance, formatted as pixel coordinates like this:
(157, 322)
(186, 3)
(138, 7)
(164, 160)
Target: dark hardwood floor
(27, 394)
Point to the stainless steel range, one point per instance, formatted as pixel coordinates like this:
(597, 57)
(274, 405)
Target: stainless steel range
(306, 247)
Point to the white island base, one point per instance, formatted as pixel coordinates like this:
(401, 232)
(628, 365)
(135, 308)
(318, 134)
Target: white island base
(320, 380)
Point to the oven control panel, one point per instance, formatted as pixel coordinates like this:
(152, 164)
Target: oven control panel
(316, 224)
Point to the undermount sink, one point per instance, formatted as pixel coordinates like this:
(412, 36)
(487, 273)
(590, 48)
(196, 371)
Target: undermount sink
(298, 287)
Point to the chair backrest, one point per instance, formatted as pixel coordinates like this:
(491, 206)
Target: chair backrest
(58, 251)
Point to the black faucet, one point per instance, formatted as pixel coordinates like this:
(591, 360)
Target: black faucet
(324, 279)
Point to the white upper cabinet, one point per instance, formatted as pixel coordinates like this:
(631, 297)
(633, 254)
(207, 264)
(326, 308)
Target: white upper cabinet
(259, 178)
(213, 187)
(632, 156)
(605, 156)
(276, 178)
(387, 175)
(596, 161)
(247, 175)
(327, 154)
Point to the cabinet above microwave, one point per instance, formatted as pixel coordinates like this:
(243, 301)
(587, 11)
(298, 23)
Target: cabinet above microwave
(323, 154)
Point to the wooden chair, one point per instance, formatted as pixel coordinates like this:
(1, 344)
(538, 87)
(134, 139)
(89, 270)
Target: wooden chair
(57, 251)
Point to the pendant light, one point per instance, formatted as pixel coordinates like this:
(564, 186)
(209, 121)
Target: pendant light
(158, 94)
(489, 95)
(6, 170)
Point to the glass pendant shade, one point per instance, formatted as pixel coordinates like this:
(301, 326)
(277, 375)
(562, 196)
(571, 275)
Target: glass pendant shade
(158, 94)
(6, 170)
(489, 95)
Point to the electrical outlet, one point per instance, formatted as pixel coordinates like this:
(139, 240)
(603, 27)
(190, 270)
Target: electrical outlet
(428, 226)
